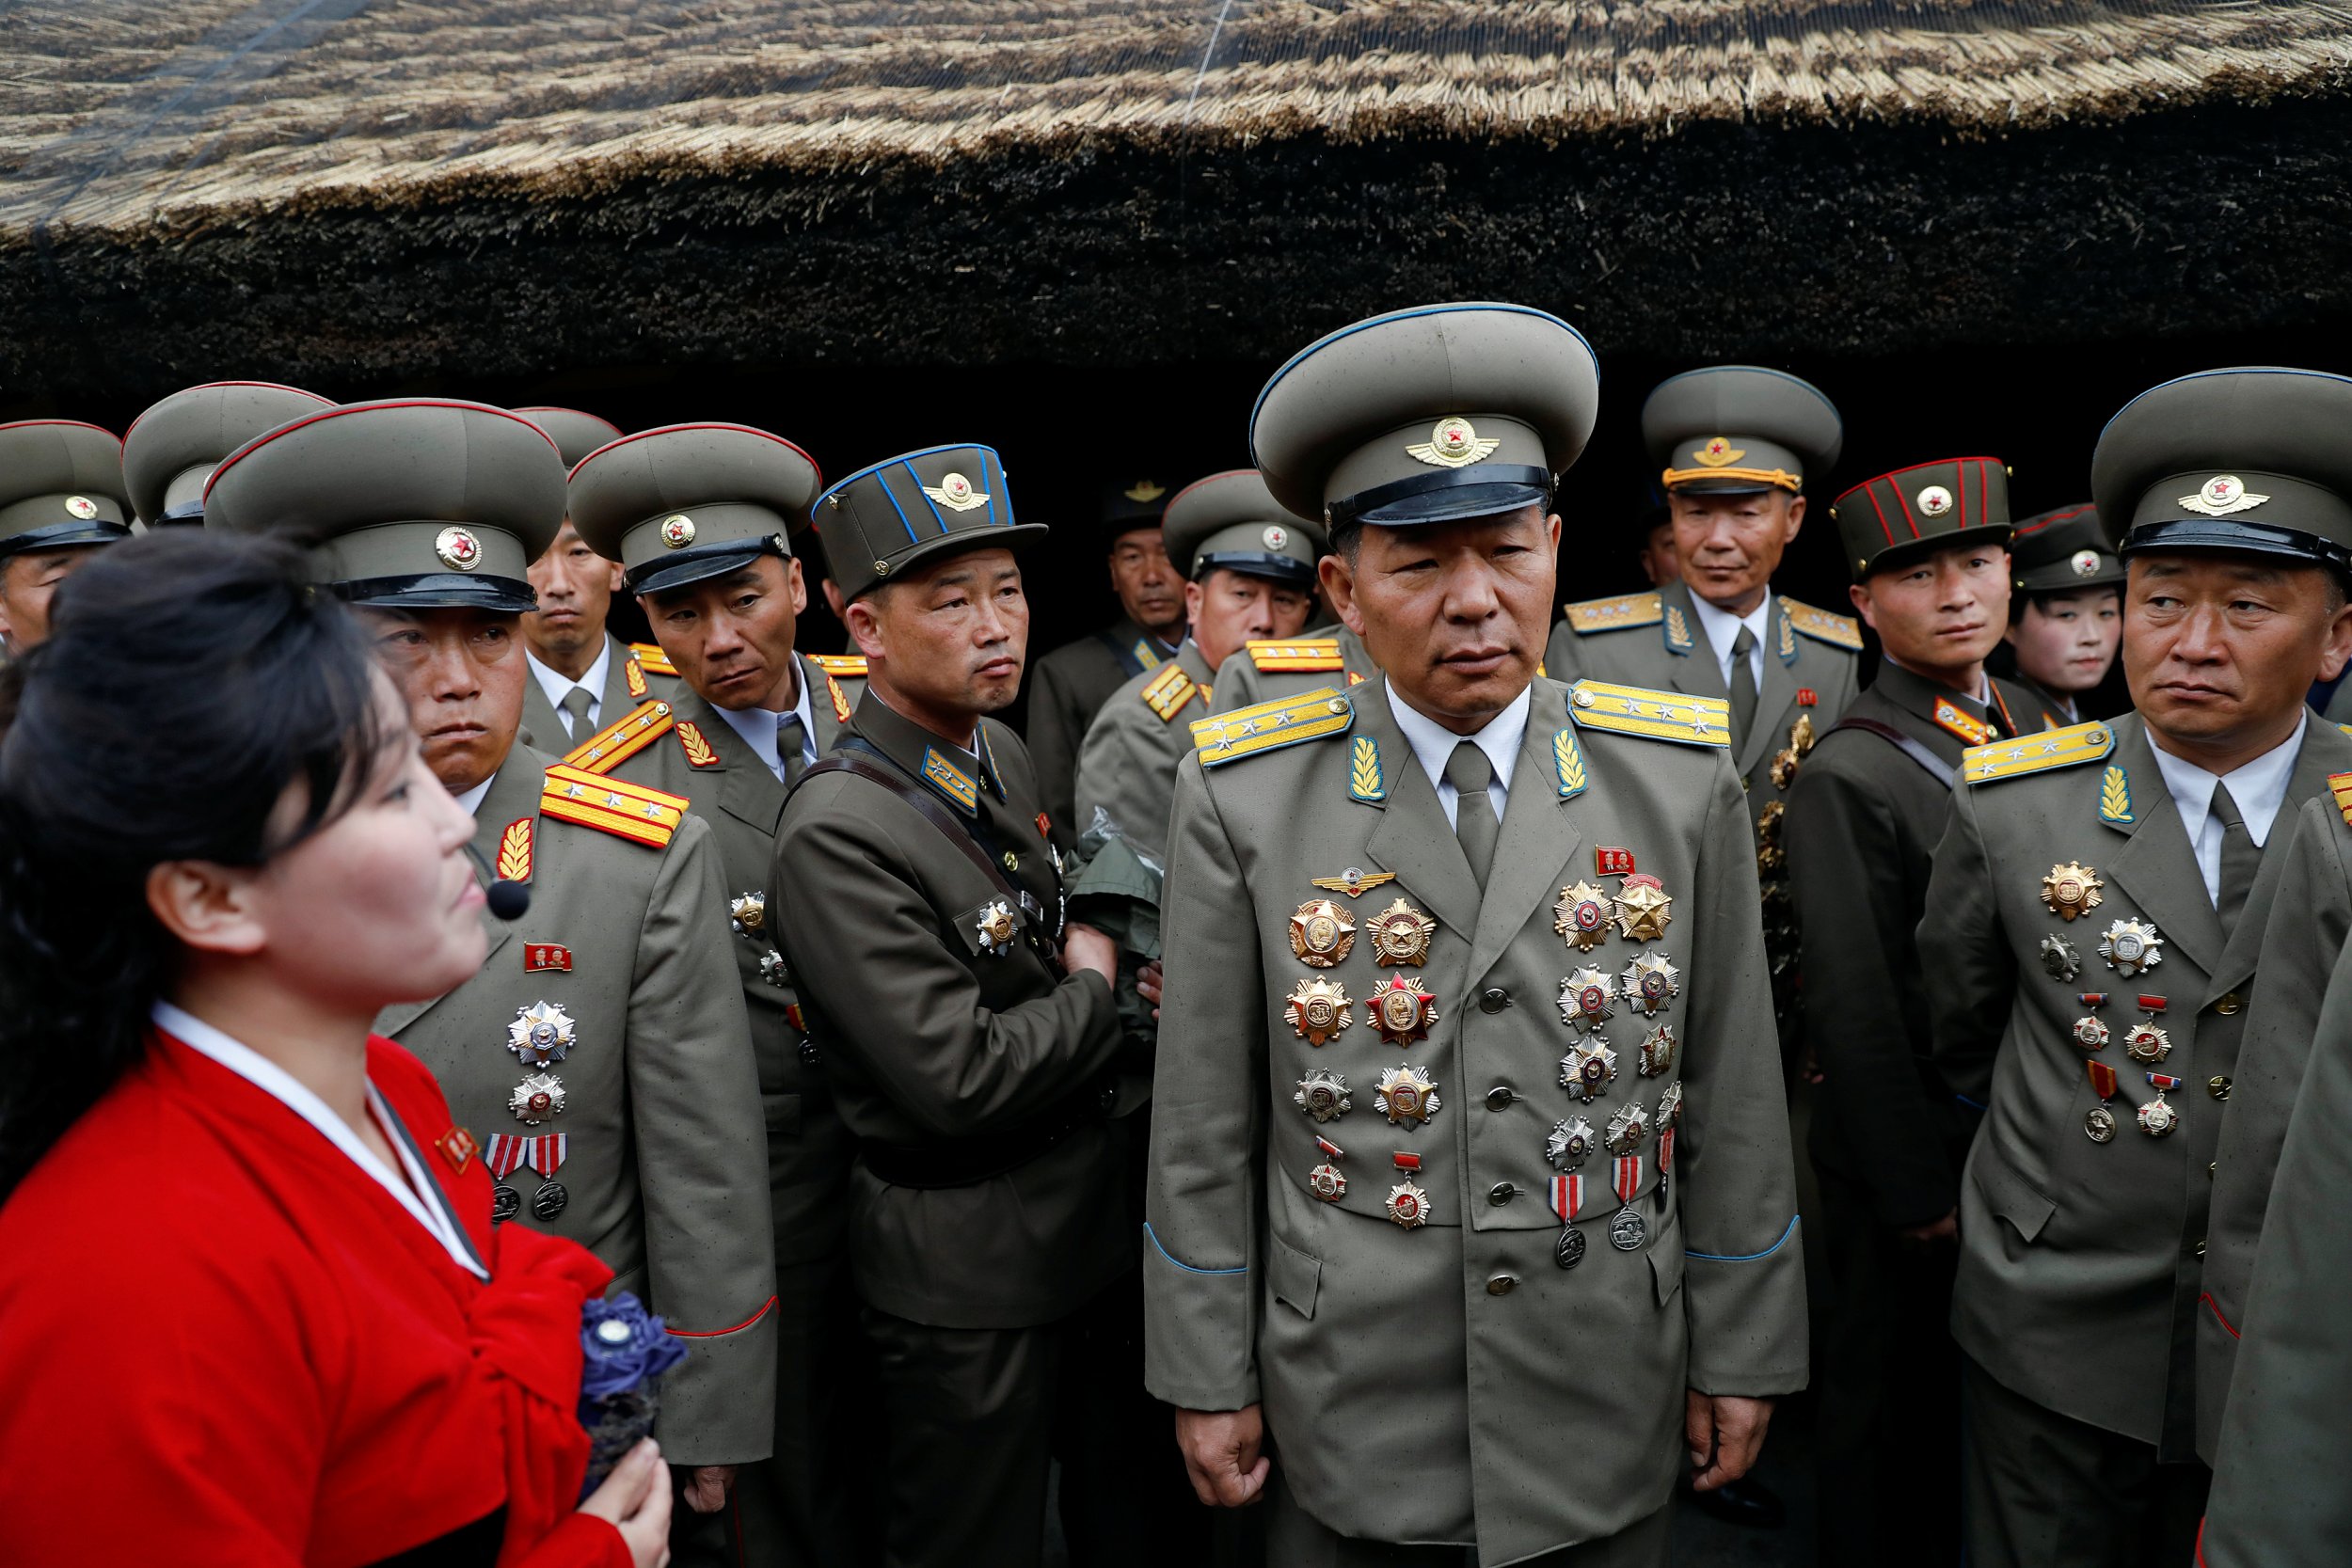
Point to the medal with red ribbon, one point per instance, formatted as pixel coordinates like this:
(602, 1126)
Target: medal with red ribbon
(1408, 1204)
(510, 1152)
(1627, 1231)
(1567, 1196)
(2101, 1080)
(2157, 1118)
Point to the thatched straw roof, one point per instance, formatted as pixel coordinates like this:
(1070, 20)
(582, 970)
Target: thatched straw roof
(443, 170)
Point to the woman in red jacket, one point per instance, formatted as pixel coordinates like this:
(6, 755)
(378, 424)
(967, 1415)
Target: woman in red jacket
(252, 1310)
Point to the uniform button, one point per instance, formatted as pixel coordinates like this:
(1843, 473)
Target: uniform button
(1502, 1285)
(1493, 999)
(2201, 1252)
(1500, 1097)
(1502, 1193)
(808, 1054)
(2231, 1002)
(2218, 1085)
(1108, 1098)
(2213, 1167)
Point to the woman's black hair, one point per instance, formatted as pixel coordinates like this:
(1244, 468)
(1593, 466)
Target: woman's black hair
(189, 680)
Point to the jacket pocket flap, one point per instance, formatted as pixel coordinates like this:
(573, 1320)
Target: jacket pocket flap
(2015, 1199)
(1665, 1267)
(1295, 1276)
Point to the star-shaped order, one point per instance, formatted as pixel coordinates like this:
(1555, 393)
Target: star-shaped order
(1642, 909)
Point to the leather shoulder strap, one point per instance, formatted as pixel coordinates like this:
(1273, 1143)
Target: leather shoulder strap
(1941, 770)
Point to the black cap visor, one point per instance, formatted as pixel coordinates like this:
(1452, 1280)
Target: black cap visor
(1448, 496)
(2232, 533)
(1254, 563)
(1912, 551)
(440, 590)
(59, 536)
(680, 567)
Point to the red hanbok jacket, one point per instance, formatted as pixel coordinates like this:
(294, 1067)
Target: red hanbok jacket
(222, 1342)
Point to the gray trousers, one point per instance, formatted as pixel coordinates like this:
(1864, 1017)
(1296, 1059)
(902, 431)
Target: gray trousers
(2042, 1490)
(1296, 1539)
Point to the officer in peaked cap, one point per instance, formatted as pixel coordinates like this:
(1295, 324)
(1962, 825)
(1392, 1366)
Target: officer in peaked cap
(1395, 906)
(601, 1057)
(699, 517)
(1070, 685)
(2167, 836)
(1926, 546)
(170, 451)
(2065, 610)
(970, 1039)
(61, 492)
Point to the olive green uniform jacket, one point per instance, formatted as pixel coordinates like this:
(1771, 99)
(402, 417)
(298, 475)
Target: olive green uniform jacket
(1068, 687)
(666, 1156)
(1128, 769)
(2081, 1262)
(1452, 1382)
(935, 1040)
(543, 728)
(1317, 658)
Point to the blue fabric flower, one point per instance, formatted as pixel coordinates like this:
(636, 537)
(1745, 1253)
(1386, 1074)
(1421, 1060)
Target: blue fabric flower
(622, 1345)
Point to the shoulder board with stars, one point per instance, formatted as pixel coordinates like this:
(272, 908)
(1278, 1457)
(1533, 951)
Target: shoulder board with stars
(653, 660)
(1269, 726)
(622, 739)
(1841, 631)
(2039, 754)
(1315, 653)
(1653, 714)
(625, 810)
(1625, 610)
(841, 666)
(1167, 692)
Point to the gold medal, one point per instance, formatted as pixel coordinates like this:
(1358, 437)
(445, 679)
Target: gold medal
(1405, 1095)
(1321, 933)
(1402, 1010)
(1648, 983)
(1642, 907)
(2070, 890)
(995, 928)
(1318, 1010)
(1582, 916)
(1400, 933)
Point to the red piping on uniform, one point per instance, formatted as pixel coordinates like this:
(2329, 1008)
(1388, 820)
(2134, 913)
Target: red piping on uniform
(715, 1333)
(700, 424)
(1873, 498)
(2053, 517)
(232, 460)
(2214, 1308)
(2201, 1544)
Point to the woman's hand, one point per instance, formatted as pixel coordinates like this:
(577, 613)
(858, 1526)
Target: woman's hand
(635, 1500)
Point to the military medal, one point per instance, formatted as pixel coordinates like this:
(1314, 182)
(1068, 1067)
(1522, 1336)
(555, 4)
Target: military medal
(994, 929)
(2144, 1041)
(541, 1033)
(1626, 1229)
(1670, 1106)
(1322, 1095)
(2070, 890)
(2059, 958)
(1318, 1010)
(1628, 1127)
(1567, 1195)
(1641, 908)
(1404, 1095)
(2091, 1033)
(1588, 1068)
(505, 1152)
(747, 915)
(2157, 1118)
(1584, 998)
(1648, 983)
(1327, 1183)
(1657, 1050)
(536, 1099)
(1408, 1205)
(1400, 933)
(2099, 1121)
(545, 1154)
(1402, 1010)
(1569, 1144)
(1582, 916)
(1321, 933)
(772, 971)
(2130, 946)
(1354, 881)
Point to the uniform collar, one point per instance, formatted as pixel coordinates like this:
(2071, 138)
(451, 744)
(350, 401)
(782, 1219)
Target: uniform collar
(1723, 629)
(1432, 743)
(955, 774)
(471, 799)
(757, 726)
(2259, 787)
(557, 685)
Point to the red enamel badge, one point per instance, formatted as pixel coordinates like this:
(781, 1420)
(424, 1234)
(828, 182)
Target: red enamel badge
(458, 1147)
(545, 955)
(1807, 697)
(1609, 861)
(1044, 829)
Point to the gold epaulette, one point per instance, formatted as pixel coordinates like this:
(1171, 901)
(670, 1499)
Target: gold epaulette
(843, 666)
(1266, 726)
(2039, 754)
(620, 808)
(1167, 692)
(1625, 610)
(1317, 652)
(653, 660)
(1841, 631)
(1652, 715)
(2340, 785)
(622, 739)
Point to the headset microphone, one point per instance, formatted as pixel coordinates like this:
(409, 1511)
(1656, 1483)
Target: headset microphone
(508, 900)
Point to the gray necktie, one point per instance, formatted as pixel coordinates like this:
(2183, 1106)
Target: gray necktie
(2241, 858)
(1743, 687)
(790, 739)
(575, 707)
(1468, 772)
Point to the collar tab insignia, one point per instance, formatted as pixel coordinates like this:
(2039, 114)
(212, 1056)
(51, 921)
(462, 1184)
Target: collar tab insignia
(655, 661)
(951, 780)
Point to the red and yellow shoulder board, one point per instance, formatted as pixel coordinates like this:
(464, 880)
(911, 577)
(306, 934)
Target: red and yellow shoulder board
(1319, 652)
(1587, 616)
(1953, 719)
(513, 861)
(634, 674)
(846, 666)
(653, 660)
(1167, 692)
(840, 698)
(698, 751)
(2340, 785)
(1842, 631)
(622, 739)
(625, 810)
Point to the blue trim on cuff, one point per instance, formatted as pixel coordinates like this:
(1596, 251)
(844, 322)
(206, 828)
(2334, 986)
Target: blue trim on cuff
(1972, 1104)
(1186, 1267)
(1720, 1257)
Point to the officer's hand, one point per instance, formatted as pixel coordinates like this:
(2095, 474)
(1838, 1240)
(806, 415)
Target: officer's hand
(1084, 947)
(1148, 985)
(1220, 1449)
(1945, 1229)
(635, 1502)
(1725, 1432)
(706, 1487)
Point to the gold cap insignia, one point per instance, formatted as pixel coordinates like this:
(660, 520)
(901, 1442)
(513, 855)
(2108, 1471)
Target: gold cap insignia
(2221, 497)
(956, 493)
(1717, 453)
(1143, 492)
(1454, 443)
(1935, 501)
(81, 507)
(677, 531)
(457, 548)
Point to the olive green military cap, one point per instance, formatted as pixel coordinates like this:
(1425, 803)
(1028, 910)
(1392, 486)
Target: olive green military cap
(1129, 505)
(575, 433)
(915, 508)
(1427, 416)
(60, 484)
(172, 450)
(1897, 518)
(2061, 551)
(1232, 520)
(411, 503)
(1737, 429)
(2254, 458)
(689, 501)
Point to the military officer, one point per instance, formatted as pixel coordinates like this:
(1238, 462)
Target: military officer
(700, 519)
(970, 1039)
(601, 1058)
(1482, 1216)
(1248, 569)
(61, 494)
(1265, 669)
(1887, 1137)
(2065, 610)
(2097, 916)
(172, 450)
(1068, 686)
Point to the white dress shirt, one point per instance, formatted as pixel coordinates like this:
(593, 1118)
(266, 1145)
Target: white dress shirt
(2259, 787)
(419, 1194)
(1723, 630)
(558, 686)
(757, 726)
(1433, 746)
(471, 798)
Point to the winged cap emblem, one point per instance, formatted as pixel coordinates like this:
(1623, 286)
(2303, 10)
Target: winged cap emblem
(1454, 443)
